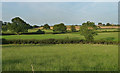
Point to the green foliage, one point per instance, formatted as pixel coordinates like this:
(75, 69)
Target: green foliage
(46, 26)
(100, 24)
(73, 28)
(35, 26)
(87, 30)
(60, 28)
(40, 31)
(4, 28)
(59, 41)
(108, 24)
(18, 25)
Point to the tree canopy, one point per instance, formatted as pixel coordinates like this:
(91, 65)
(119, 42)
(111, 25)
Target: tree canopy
(17, 25)
(73, 29)
(46, 26)
(61, 28)
(87, 30)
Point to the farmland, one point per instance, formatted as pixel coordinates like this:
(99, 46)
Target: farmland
(59, 36)
(62, 57)
(113, 36)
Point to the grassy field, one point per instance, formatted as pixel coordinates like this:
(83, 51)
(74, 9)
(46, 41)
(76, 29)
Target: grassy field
(107, 29)
(67, 57)
(113, 36)
(46, 31)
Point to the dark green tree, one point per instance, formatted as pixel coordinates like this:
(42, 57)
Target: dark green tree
(40, 31)
(60, 28)
(88, 31)
(18, 25)
(4, 26)
(46, 26)
(35, 26)
(108, 24)
(100, 24)
(73, 28)
(103, 24)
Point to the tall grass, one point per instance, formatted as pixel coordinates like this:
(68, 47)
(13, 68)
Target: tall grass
(66, 57)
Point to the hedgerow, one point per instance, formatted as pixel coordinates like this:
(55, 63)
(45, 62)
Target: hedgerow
(57, 41)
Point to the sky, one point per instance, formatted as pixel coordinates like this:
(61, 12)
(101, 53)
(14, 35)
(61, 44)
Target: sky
(69, 13)
(60, 0)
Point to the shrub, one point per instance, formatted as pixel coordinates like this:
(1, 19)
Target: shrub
(46, 26)
(56, 41)
(59, 28)
(73, 29)
(40, 31)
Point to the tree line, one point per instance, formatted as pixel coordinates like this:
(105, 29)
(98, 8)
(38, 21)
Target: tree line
(19, 26)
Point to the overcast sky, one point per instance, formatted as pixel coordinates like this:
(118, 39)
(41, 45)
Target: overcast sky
(57, 12)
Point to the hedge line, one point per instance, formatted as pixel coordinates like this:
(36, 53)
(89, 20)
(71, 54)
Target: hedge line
(56, 41)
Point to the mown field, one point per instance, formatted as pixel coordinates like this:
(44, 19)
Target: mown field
(66, 57)
(112, 36)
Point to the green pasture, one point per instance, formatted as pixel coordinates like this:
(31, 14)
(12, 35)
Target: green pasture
(112, 36)
(46, 31)
(32, 30)
(107, 29)
(62, 57)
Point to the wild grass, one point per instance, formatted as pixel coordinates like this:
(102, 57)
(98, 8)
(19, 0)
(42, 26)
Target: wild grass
(66, 57)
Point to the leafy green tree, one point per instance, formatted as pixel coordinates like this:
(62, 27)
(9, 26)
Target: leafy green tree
(40, 31)
(18, 25)
(3, 25)
(35, 26)
(103, 24)
(88, 30)
(4, 28)
(73, 28)
(108, 24)
(100, 24)
(46, 26)
(90, 25)
(60, 28)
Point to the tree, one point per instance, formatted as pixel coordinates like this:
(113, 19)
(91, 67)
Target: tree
(46, 26)
(35, 26)
(100, 24)
(88, 30)
(108, 24)
(61, 28)
(4, 28)
(40, 31)
(103, 24)
(73, 28)
(18, 25)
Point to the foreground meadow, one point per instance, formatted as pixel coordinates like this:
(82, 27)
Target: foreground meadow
(62, 57)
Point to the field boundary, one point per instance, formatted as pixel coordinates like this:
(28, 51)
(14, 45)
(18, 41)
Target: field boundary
(57, 41)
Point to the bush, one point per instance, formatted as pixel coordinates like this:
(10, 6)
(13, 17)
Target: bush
(73, 29)
(59, 28)
(39, 31)
(56, 41)
(46, 26)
